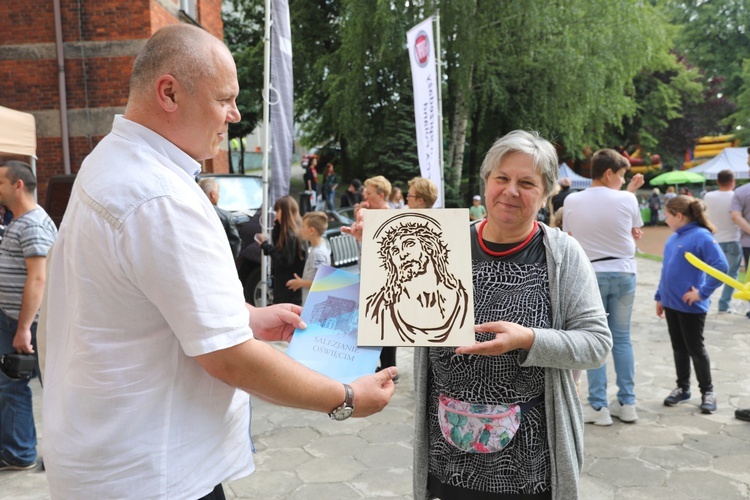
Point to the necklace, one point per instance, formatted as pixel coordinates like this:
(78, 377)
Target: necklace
(510, 251)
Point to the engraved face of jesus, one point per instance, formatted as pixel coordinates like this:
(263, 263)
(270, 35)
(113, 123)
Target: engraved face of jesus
(410, 257)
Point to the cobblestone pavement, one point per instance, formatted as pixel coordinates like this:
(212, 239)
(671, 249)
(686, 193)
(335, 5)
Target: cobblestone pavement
(674, 453)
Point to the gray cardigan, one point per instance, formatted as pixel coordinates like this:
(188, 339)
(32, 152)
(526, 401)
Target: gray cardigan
(579, 339)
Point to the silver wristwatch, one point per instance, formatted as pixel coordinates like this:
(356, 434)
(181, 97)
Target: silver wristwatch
(345, 410)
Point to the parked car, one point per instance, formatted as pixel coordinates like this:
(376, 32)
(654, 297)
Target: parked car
(244, 201)
(242, 195)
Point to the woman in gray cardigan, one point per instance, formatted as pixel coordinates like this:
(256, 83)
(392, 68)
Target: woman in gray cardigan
(501, 419)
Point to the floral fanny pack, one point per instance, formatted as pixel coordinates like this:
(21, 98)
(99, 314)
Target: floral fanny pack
(480, 428)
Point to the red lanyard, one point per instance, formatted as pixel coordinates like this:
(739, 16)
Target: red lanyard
(510, 251)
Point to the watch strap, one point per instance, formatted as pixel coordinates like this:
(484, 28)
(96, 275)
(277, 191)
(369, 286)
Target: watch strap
(347, 407)
(349, 401)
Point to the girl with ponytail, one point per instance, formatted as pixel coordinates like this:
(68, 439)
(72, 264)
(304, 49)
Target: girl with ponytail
(683, 295)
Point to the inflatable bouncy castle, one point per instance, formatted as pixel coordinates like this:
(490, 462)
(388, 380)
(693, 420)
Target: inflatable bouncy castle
(708, 147)
(638, 161)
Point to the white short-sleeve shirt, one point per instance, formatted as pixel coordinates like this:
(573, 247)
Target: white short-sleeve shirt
(141, 281)
(602, 220)
(316, 257)
(718, 204)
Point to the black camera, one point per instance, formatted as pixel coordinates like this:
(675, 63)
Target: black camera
(18, 366)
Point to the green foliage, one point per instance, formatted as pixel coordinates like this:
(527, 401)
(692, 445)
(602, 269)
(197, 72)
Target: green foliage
(315, 39)
(564, 68)
(714, 36)
(243, 34)
(585, 73)
(363, 95)
(664, 91)
(740, 120)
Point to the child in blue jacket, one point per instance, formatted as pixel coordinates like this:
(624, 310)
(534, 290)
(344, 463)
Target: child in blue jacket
(683, 295)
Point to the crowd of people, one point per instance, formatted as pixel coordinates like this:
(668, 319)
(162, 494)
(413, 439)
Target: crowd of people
(712, 229)
(150, 354)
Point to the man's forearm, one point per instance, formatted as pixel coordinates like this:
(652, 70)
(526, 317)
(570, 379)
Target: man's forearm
(741, 222)
(31, 300)
(265, 372)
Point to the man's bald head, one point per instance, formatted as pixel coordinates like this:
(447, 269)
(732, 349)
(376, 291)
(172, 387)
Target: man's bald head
(184, 87)
(180, 50)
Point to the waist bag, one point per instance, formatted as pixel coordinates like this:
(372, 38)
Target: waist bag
(480, 428)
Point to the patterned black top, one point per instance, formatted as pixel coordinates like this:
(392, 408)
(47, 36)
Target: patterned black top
(513, 288)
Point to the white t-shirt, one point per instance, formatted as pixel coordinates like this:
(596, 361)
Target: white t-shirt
(602, 220)
(141, 281)
(720, 215)
(316, 257)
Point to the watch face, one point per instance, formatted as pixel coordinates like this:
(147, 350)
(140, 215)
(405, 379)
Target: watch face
(343, 413)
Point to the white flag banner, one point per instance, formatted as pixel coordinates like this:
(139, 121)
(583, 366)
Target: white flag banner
(282, 114)
(426, 113)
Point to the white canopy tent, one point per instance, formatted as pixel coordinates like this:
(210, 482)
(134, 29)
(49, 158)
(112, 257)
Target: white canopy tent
(734, 159)
(18, 135)
(576, 181)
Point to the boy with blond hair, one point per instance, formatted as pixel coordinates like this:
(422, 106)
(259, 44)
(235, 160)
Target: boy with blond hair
(314, 224)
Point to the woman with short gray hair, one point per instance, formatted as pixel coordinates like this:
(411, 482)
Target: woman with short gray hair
(501, 418)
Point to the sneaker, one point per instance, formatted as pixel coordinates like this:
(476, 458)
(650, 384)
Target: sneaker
(708, 403)
(742, 414)
(597, 417)
(626, 413)
(6, 466)
(676, 397)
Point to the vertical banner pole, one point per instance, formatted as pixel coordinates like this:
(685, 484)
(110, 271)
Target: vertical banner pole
(266, 143)
(439, 63)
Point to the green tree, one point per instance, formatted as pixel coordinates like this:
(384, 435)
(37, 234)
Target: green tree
(575, 70)
(668, 93)
(366, 102)
(243, 34)
(740, 120)
(564, 68)
(714, 35)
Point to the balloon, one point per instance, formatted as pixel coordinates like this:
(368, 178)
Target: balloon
(743, 289)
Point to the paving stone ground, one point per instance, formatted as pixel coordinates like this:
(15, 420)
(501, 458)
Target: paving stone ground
(670, 453)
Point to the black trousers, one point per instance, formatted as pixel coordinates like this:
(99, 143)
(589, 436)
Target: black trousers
(686, 333)
(217, 494)
(387, 357)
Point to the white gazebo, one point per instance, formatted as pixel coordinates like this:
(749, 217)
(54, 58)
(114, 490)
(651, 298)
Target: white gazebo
(18, 135)
(576, 181)
(734, 159)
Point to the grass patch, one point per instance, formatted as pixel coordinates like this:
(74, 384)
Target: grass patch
(648, 256)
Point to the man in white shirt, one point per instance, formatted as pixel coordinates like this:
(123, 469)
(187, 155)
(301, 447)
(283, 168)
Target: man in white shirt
(606, 221)
(149, 340)
(727, 232)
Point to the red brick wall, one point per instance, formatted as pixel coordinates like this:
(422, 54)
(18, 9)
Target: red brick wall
(29, 85)
(159, 17)
(96, 82)
(105, 20)
(27, 21)
(210, 17)
(106, 82)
